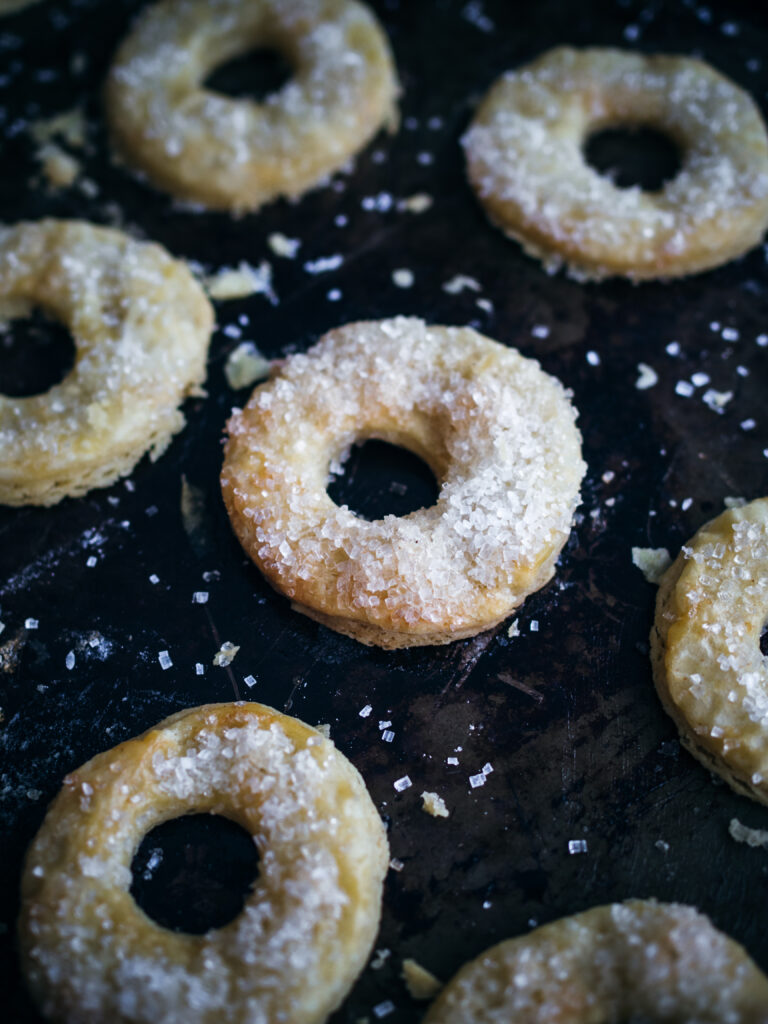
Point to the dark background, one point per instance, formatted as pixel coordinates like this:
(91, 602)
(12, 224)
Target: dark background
(566, 715)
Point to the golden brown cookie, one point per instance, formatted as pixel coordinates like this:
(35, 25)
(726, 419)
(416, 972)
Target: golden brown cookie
(525, 161)
(639, 960)
(141, 326)
(236, 154)
(708, 668)
(498, 434)
(90, 954)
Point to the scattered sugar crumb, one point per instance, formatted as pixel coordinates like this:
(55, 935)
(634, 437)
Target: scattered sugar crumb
(403, 783)
(380, 957)
(652, 562)
(420, 202)
(200, 597)
(403, 277)
(647, 377)
(716, 400)
(477, 780)
(241, 281)
(381, 202)
(31, 623)
(69, 661)
(420, 982)
(364, 712)
(283, 246)
(165, 660)
(540, 331)
(434, 804)
(225, 654)
(593, 358)
(383, 1009)
(751, 836)
(514, 629)
(199, 668)
(249, 681)
(323, 264)
(577, 846)
(485, 304)
(459, 282)
(396, 864)
(473, 13)
(245, 365)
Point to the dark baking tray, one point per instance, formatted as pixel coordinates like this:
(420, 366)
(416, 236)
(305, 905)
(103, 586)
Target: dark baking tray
(565, 713)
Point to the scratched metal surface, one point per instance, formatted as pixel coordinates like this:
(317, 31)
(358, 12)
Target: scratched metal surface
(565, 713)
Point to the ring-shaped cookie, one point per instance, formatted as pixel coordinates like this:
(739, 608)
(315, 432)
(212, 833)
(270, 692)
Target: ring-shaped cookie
(639, 960)
(708, 668)
(236, 154)
(141, 326)
(90, 954)
(497, 432)
(525, 160)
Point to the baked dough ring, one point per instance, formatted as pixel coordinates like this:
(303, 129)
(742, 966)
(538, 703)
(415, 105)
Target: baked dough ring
(141, 326)
(235, 154)
(91, 955)
(497, 432)
(709, 671)
(525, 161)
(639, 960)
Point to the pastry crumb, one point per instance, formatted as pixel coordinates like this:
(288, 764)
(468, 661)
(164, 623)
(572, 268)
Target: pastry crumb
(245, 365)
(283, 246)
(434, 804)
(418, 203)
(241, 281)
(59, 167)
(652, 562)
(225, 654)
(420, 982)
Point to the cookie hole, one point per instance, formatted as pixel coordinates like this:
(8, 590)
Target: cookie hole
(36, 353)
(764, 641)
(254, 75)
(381, 479)
(194, 873)
(633, 156)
